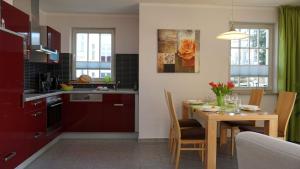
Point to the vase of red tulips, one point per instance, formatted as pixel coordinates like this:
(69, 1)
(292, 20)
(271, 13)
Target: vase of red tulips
(221, 90)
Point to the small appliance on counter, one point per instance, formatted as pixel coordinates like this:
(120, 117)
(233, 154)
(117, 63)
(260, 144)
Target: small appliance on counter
(47, 83)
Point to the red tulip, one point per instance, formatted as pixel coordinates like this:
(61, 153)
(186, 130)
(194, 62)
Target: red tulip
(213, 85)
(230, 84)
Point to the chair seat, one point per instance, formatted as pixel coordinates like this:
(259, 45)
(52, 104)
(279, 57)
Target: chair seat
(239, 123)
(196, 133)
(253, 128)
(189, 123)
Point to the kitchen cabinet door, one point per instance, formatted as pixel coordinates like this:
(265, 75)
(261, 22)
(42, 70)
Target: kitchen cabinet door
(53, 39)
(17, 21)
(114, 114)
(35, 130)
(11, 94)
(82, 117)
(35, 125)
(118, 113)
(12, 138)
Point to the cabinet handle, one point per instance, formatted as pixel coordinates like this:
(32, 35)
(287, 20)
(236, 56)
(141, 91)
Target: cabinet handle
(37, 103)
(118, 105)
(10, 156)
(37, 135)
(37, 114)
(22, 100)
(57, 104)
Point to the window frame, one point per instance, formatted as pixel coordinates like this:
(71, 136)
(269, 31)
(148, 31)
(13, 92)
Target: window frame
(271, 59)
(99, 31)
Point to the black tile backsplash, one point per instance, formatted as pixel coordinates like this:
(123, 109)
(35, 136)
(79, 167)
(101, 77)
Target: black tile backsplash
(127, 68)
(62, 70)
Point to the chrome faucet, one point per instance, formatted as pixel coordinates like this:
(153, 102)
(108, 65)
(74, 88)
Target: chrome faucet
(116, 85)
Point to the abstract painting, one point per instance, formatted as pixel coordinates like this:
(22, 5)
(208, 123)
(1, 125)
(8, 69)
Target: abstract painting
(178, 51)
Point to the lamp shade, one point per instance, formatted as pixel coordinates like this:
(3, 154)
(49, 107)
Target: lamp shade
(232, 35)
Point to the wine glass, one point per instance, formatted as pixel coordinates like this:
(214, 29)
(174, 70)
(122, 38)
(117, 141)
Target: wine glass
(227, 99)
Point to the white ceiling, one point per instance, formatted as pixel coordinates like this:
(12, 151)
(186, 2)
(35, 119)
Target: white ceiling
(131, 6)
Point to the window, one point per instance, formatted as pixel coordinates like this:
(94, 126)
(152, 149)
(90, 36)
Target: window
(93, 52)
(251, 58)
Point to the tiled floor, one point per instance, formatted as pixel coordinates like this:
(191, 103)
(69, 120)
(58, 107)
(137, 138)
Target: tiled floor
(119, 154)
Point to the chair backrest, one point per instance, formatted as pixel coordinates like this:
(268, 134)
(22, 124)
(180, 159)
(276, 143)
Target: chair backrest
(284, 109)
(256, 97)
(174, 116)
(167, 102)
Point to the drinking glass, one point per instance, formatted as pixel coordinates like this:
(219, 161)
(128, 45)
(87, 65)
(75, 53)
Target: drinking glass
(227, 99)
(237, 105)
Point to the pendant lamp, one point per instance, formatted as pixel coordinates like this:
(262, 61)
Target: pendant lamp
(232, 34)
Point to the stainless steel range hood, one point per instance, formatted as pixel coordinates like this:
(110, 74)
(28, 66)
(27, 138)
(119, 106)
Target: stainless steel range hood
(38, 33)
(39, 45)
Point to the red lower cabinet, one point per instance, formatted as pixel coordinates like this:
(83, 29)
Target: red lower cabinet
(11, 139)
(23, 131)
(118, 113)
(115, 113)
(35, 125)
(82, 117)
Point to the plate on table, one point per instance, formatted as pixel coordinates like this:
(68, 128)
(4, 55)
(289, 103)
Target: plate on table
(208, 108)
(250, 107)
(195, 101)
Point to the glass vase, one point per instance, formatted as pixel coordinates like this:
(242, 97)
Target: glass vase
(220, 100)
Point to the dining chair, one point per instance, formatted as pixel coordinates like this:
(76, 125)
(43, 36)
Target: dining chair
(284, 109)
(191, 137)
(183, 123)
(233, 126)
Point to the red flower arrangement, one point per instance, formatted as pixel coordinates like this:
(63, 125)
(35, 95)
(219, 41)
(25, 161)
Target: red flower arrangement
(221, 89)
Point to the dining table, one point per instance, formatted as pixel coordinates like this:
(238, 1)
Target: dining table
(210, 120)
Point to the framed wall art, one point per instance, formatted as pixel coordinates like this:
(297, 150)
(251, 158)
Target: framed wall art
(178, 51)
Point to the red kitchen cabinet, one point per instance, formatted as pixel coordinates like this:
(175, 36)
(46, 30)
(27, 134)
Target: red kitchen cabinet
(53, 39)
(114, 114)
(12, 140)
(118, 114)
(11, 94)
(53, 43)
(35, 125)
(82, 116)
(17, 21)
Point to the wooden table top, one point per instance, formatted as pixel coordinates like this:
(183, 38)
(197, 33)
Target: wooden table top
(230, 116)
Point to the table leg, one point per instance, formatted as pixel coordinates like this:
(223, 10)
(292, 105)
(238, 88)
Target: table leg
(271, 127)
(185, 111)
(211, 140)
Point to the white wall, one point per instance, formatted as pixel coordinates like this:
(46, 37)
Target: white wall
(126, 27)
(214, 58)
(9, 1)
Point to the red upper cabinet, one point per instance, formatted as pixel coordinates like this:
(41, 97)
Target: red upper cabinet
(17, 21)
(53, 43)
(11, 70)
(53, 39)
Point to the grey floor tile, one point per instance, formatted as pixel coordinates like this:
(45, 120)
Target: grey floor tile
(121, 154)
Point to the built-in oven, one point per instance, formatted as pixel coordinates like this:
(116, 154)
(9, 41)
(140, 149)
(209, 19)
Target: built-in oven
(54, 108)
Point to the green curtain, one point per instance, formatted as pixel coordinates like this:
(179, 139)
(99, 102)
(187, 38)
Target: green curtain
(289, 62)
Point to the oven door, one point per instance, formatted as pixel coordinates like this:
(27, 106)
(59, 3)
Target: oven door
(54, 115)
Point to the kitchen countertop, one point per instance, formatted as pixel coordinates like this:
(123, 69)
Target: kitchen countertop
(35, 96)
